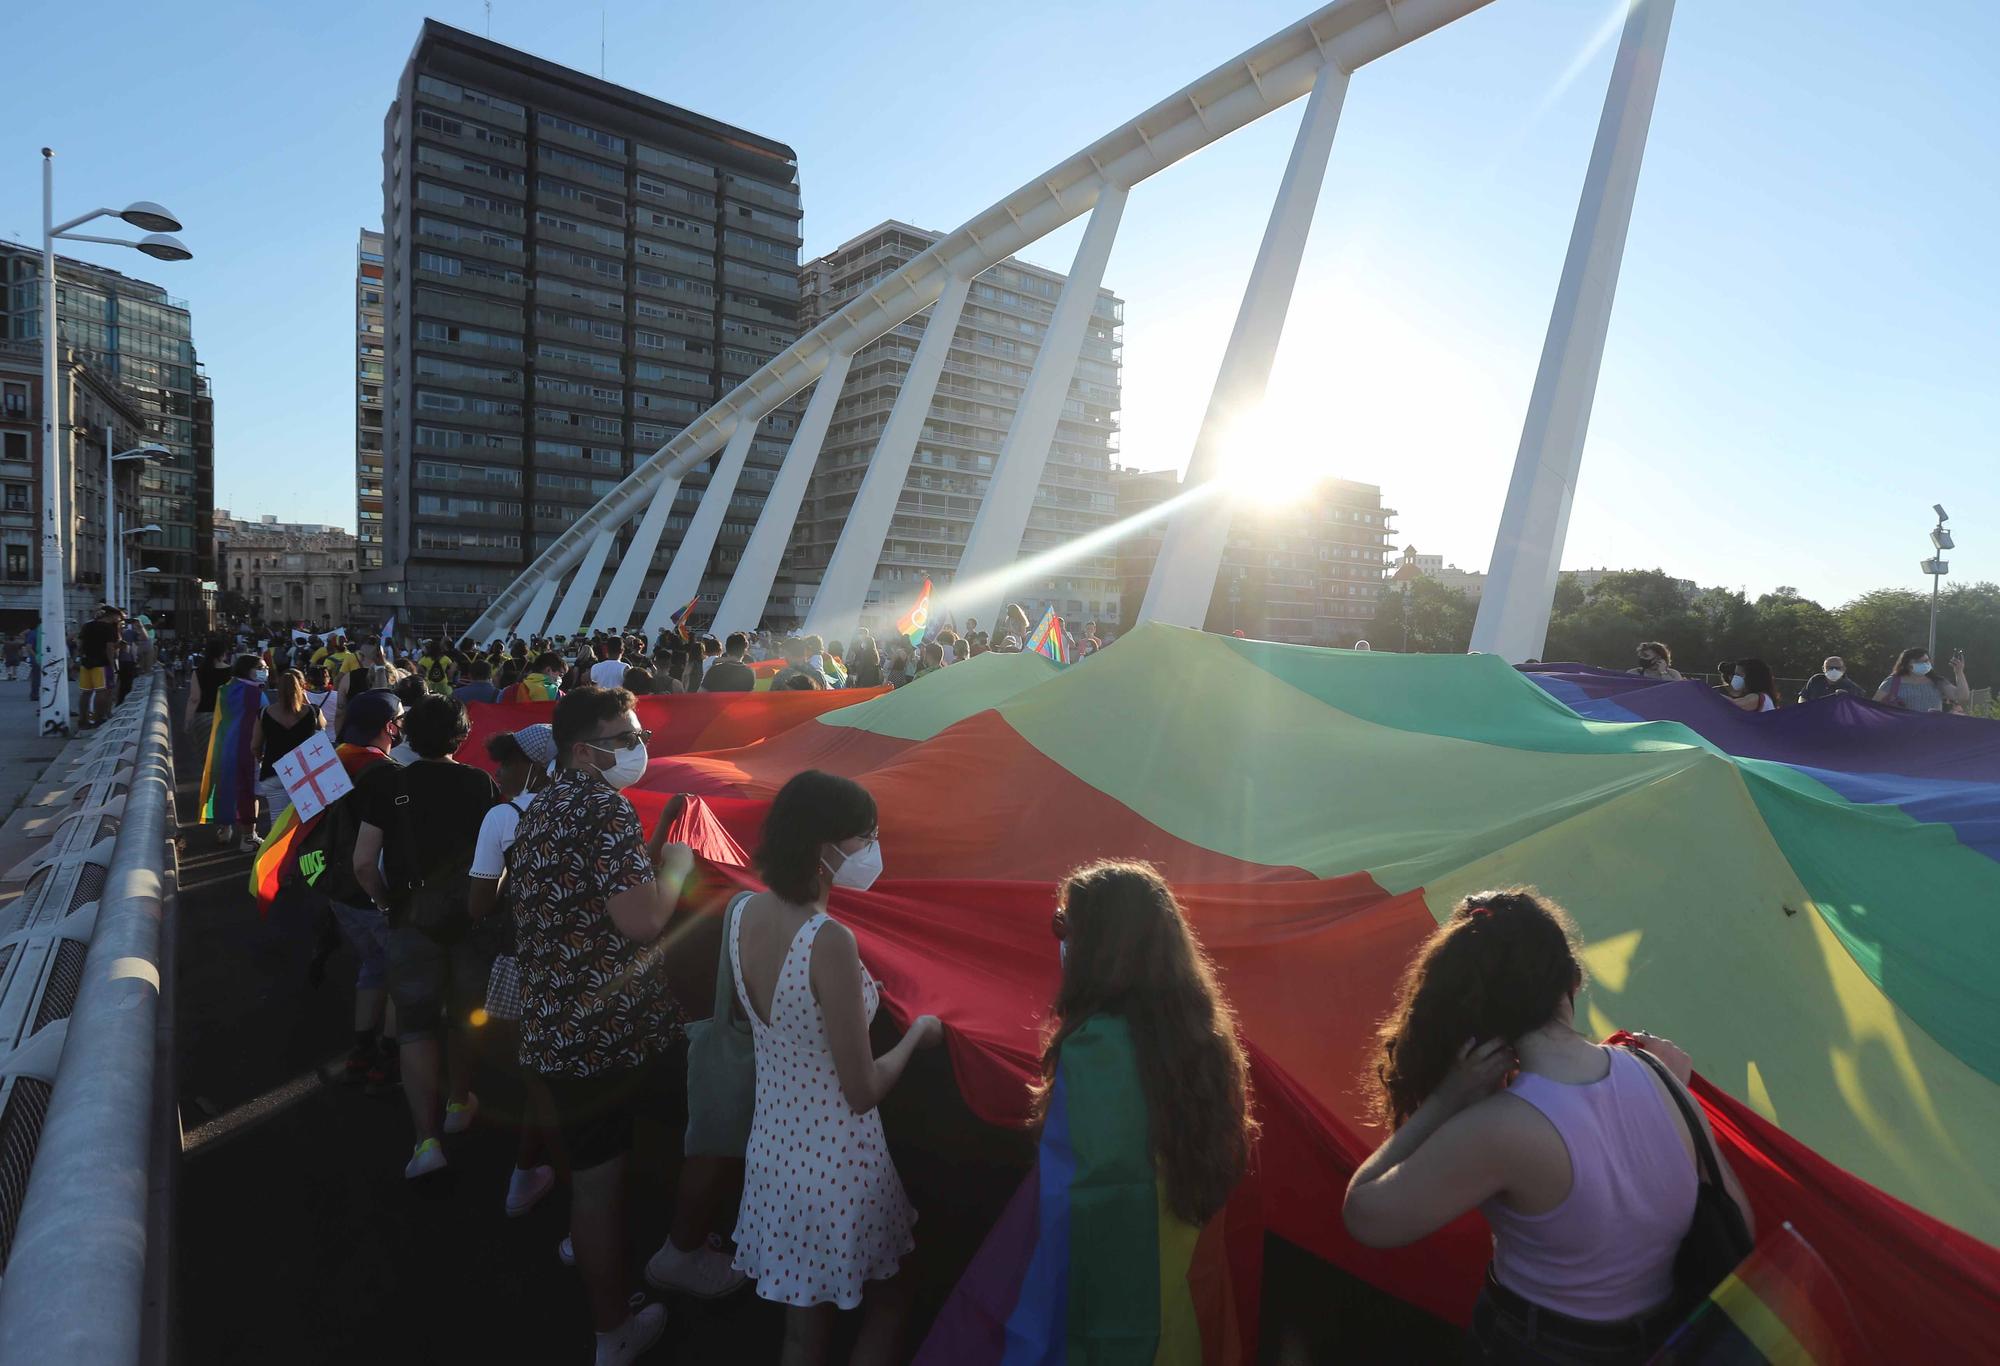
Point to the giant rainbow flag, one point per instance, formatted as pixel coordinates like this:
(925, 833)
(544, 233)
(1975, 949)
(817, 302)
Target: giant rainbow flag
(1808, 901)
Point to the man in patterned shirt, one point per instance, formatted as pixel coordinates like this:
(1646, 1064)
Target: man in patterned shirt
(598, 1023)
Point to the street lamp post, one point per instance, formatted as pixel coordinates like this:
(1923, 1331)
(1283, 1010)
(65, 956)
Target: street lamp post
(124, 575)
(1937, 568)
(114, 541)
(53, 636)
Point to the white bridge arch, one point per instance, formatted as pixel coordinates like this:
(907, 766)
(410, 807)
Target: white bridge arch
(1312, 58)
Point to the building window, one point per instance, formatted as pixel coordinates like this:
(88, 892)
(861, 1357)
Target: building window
(17, 498)
(15, 445)
(17, 561)
(14, 402)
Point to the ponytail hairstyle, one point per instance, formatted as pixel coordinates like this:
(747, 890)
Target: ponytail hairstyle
(290, 688)
(1130, 952)
(1499, 968)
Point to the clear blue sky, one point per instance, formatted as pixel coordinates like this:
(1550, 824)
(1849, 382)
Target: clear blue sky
(1804, 354)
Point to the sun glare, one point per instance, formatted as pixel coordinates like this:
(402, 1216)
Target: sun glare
(1270, 462)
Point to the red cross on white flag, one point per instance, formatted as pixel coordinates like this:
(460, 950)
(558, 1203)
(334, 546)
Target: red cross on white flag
(313, 776)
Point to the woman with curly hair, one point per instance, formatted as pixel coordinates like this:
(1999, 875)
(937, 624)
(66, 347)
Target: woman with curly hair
(1575, 1152)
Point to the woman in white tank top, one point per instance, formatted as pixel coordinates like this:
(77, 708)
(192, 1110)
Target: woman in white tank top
(1576, 1153)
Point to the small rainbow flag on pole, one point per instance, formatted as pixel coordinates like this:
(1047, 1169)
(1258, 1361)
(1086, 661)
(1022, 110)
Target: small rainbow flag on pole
(913, 622)
(1087, 1263)
(229, 772)
(682, 619)
(1048, 638)
(1782, 1306)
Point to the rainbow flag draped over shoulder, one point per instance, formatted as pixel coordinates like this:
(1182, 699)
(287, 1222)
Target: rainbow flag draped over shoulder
(534, 687)
(277, 858)
(1782, 1306)
(229, 773)
(1087, 1263)
(912, 623)
(1048, 639)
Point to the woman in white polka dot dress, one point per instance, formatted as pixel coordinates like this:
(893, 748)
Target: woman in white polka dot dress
(824, 1214)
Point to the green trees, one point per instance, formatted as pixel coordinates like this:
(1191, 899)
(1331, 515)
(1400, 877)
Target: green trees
(1789, 632)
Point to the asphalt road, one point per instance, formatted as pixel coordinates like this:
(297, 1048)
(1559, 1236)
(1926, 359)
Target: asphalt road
(301, 1242)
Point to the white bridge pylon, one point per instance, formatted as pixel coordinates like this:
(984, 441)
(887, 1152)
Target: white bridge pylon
(1315, 56)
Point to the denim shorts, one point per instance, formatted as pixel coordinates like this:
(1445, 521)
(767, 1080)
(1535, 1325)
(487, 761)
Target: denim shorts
(368, 932)
(431, 982)
(1505, 1331)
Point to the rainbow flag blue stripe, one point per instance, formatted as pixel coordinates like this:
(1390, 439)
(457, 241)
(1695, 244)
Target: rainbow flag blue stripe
(229, 773)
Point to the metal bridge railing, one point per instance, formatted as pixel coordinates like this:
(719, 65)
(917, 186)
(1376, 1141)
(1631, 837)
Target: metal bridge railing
(88, 1125)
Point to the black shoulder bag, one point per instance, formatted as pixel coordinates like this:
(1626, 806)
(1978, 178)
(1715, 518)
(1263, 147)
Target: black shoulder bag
(1718, 1238)
(439, 911)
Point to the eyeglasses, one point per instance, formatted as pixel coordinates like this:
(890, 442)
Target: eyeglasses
(621, 740)
(1059, 925)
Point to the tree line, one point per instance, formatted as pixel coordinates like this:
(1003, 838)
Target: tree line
(1789, 632)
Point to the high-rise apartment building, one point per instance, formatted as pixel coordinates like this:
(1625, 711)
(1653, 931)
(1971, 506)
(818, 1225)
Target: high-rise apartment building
(572, 272)
(368, 399)
(1308, 573)
(139, 336)
(992, 355)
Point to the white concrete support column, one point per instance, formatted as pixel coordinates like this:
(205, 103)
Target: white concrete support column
(683, 578)
(1513, 620)
(843, 588)
(568, 618)
(995, 541)
(530, 624)
(1191, 550)
(749, 591)
(614, 611)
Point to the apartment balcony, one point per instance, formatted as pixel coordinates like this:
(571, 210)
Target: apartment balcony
(686, 237)
(746, 193)
(581, 210)
(517, 155)
(478, 309)
(513, 223)
(685, 175)
(473, 248)
(494, 289)
(574, 270)
(498, 355)
(582, 146)
(551, 294)
(742, 308)
(478, 181)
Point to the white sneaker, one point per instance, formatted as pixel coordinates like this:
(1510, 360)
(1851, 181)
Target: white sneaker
(428, 1158)
(458, 1118)
(704, 1273)
(627, 1342)
(525, 1189)
(566, 1252)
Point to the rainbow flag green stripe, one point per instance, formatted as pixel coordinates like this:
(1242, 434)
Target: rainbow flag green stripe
(1087, 1264)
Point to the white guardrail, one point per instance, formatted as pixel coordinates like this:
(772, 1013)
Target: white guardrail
(89, 1128)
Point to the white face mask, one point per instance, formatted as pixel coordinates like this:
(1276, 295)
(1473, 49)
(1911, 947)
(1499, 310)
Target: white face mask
(1736, 682)
(260, 677)
(1834, 675)
(1921, 669)
(859, 869)
(628, 766)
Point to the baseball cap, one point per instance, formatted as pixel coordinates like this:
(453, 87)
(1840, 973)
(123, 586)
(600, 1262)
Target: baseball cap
(538, 742)
(368, 713)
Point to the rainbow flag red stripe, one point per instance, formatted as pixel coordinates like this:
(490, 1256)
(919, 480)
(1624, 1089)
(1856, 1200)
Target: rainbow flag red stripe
(913, 623)
(229, 772)
(1048, 638)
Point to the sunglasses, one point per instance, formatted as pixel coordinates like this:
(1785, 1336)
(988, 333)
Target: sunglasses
(621, 740)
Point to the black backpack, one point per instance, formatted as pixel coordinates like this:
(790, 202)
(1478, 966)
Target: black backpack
(326, 853)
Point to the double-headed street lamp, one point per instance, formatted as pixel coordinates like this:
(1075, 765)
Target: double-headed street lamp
(156, 222)
(114, 540)
(1937, 568)
(122, 579)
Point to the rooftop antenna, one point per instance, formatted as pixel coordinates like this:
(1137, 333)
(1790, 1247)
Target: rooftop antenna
(600, 42)
(489, 18)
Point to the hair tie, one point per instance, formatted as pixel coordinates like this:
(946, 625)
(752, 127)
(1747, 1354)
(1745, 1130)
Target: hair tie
(1478, 910)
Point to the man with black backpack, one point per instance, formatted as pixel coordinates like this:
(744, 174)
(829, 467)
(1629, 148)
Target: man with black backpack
(437, 668)
(326, 865)
(413, 856)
